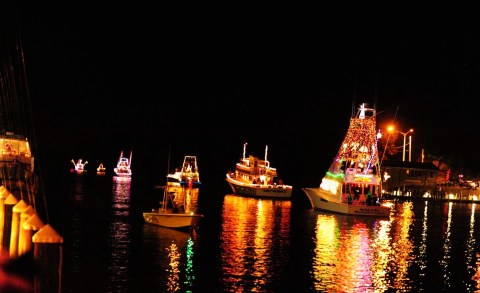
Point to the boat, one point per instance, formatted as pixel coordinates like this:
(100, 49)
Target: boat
(352, 185)
(187, 176)
(17, 172)
(101, 169)
(79, 166)
(123, 166)
(174, 211)
(255, 177)
(177, 208)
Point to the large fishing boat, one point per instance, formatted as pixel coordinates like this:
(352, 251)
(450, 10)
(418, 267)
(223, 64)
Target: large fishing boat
(255, 177)
(353, 183)
(123, 166)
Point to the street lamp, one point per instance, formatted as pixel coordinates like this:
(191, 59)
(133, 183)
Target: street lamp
(391, 128)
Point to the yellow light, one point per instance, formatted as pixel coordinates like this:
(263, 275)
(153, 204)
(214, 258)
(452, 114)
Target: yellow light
(330, 185)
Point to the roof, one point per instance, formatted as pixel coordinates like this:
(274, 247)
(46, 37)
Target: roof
(410, 165)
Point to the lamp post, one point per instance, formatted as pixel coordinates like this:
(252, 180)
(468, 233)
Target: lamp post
(391, 129)
(405, 144)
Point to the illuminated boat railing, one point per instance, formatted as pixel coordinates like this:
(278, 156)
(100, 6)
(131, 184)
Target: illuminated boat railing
(11, 159)
(242, 167)
(262, 169)
(246, 184)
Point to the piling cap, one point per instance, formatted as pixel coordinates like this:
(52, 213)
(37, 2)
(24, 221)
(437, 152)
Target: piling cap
(28, 211)
(11, 200)
(20, 207)
(47, 235)
(33, 223)
(4, 194)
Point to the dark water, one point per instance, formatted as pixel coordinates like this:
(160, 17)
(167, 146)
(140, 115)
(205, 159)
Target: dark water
(250, 245)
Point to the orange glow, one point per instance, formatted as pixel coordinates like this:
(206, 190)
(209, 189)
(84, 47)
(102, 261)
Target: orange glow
(173, 283)
(348, 256)
(401, 254)
(249, 228)
(392, 128)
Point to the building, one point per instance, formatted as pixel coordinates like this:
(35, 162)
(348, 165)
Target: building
(412, 179)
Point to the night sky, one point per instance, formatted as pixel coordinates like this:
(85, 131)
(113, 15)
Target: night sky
(208, 79)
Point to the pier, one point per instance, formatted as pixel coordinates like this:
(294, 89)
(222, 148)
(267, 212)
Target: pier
(27, 242)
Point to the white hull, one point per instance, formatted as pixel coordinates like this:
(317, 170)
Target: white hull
(123, 166)
(256, 190)
(322, 200)
(124, 174)
(172, 220)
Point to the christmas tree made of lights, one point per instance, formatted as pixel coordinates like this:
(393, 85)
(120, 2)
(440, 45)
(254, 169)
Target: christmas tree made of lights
(359, 148)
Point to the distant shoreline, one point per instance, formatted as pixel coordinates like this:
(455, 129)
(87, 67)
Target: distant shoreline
(445, 193)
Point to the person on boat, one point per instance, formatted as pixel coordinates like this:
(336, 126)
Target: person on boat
(349, 199)
(357, 194)
(369, 201)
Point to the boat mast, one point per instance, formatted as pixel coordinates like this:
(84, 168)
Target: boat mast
(244, 149)
(266, 151)
(120, 158)
(130, 160)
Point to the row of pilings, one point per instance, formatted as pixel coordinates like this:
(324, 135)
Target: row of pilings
(24, 236)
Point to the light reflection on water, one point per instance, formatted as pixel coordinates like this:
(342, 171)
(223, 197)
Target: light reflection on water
(349, 258)
(119, 242)
(173, 269)
(388, 255)
(253, 239)
(447, 246)
(259, 245)
(470, 248)
(174, 257)
(173, 278)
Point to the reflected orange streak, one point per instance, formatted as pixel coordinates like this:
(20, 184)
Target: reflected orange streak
(247, 237)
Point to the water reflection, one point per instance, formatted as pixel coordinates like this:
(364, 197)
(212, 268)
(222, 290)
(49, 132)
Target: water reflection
(173, 283)
(447, 246)
(254, 239)
(422, 248)
(78, 191)
(259, 245)
(174, 261)
(119, 236)
(344, 255)
(405, 253)
(470, 250)
(355, 254)
(402, 247)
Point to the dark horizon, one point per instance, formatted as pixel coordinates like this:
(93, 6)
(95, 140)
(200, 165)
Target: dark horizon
(105, 78)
